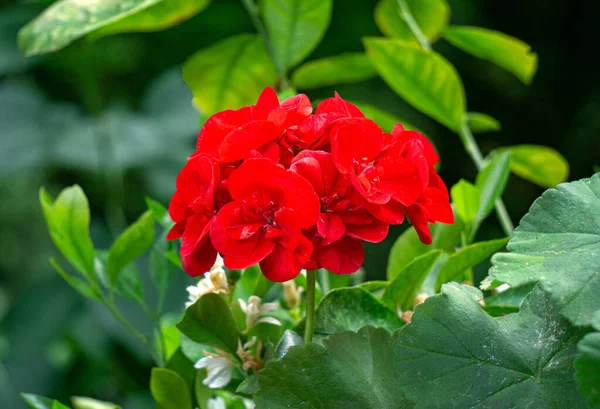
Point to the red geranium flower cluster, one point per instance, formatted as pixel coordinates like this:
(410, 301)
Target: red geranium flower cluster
(275, 184)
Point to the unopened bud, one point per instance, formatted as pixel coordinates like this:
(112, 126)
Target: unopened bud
(218, 278)
(407, 316)
(291, 294)
(419, 299)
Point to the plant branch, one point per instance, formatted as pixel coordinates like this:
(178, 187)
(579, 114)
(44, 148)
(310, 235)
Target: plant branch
(309, 322)
(254, 13)
(408, 18)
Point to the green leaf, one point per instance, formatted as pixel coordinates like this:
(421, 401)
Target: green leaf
(248, 385)
(558, 244)
(383, 118)
(202, 392)
(454, 352)
(160, 213)
(467, 257)
(89, 403)
(161, 269)
(252, 282)
(159, 16)
(209, 321)
(68, 220)
(587, 364)
(408, 246)
(67, 20)
(174, 258)
(130, 245)
(169, 390)
(409, 281)
(37, 401)
(346, 309)
(466, 200)
(424, 79)
(230, 73)
(541, 165)
(345, 68)
(351, 371)
(430, 15)
(170, 334)
(288, 340)
(77, 283)
(295, 27)
(507, 301)
(482, 123)
(192, 350)
(491, 181)
(505, 51)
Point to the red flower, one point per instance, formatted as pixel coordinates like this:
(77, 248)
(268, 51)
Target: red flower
(264, 222)
(342, 222)
(232, 135)
(192, 208)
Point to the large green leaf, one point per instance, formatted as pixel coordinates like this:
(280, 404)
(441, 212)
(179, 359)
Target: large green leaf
(541, 165)
(454, 352)
(491, 181)
(408, 246)
(351, 371)
(346, 309)
(558, 244)
(68, 219)
(295, 27)
(383, 118)
(423, 78)
(467, 257)
(230, 73)
(169, 390)
(130, 245)
(409, 281)
(430, 15)
(588, 363)
(209, 322)
(503, 50)
(339, 69)
(67, 20)
(160, 16)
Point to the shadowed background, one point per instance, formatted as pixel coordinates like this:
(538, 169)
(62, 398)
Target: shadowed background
(115, 117)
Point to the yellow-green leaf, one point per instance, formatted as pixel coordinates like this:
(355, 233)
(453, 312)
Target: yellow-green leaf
(541, 165)
(466, 199)
(339, 69)
(423, 78)
(230, 73)
(481, 123)
(430, 15)
(507, 52)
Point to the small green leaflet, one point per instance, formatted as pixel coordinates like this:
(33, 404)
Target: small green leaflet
(541, 165)
(338, 69)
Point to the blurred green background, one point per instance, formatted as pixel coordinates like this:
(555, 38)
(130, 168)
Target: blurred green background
(116, 117)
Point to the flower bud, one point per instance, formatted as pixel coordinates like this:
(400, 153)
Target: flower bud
(292, 294)
(419, 299)
(407, 316)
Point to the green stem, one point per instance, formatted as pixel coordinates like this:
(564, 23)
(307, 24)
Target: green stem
(254, 13)
(309, 322)
(412, 24)
(473, 150)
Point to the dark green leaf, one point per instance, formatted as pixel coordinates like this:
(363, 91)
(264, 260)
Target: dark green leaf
(68, 219)
(295, 27)
(557, 243)
(588, 363)
(409, 281)
(288, 340)
(408, 246)
(384, 119)
(503, 50)
(131, 244)
(430, 15)
(209, 322)
(248, 385)
(159, 16)
(350, 309)
(481, 123)
(202, 392)
(169, 390)
(174, 258)
(339, 69)
(161, 269)
(67, 20)
(466, 201)
(160, 213)
(541, 165)
(454, 352)
(423, 78)
(351, 371)
(507, 301)
(491, 181)
(252, 282)
(230, 73)
(76, 283)
(374, 286)
(467, 257)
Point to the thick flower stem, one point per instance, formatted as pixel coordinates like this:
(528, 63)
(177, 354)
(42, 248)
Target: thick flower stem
(309, 321)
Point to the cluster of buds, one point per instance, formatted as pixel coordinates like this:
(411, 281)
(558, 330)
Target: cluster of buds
(214, 281)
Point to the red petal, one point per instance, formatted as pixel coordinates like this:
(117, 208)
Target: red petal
(419, 217)
(345, 256)
(401, 179)
(240, 141)
(338, 105)
(399, 134)
(196, 231)
(197, 183)
(217, 127)
(330, 228)
(391, 213)
(267, 102)
(373, 233)
(176, 231)
(178, 209)
(355, 141)
(200, 261)
(284, 264)
(254, 177)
